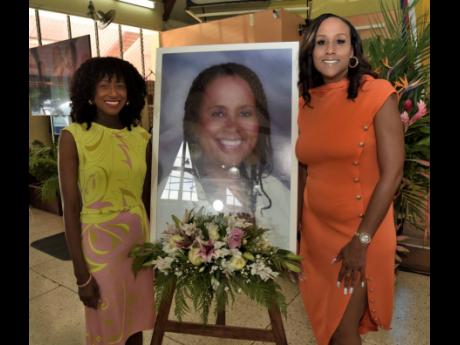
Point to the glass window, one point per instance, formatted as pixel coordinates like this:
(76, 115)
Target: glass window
(84, 26)
(231, 199)
(180, 183)
(132, 46)
(53, 27)
(109, 41)
(151, 42)
(33, 34)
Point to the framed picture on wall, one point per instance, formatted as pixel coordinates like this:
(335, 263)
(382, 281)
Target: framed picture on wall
(50, 70)
(224, 133)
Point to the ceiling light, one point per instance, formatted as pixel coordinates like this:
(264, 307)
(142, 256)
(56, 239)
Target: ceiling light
(142, 3)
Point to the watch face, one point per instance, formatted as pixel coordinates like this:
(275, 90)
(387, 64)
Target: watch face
(364, 238)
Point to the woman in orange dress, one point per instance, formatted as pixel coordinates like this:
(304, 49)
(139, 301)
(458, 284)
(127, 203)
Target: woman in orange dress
(351, 150)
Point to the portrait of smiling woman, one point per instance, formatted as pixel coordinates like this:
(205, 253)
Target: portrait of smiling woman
(224, 111)
(227, 161)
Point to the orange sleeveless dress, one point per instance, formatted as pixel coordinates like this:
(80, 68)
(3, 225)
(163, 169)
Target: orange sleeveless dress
(337, 142)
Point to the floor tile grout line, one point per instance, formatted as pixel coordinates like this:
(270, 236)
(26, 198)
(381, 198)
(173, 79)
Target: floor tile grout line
(51, 258)
(176, 341)
(54, 281)
(44, 293)
(292, 300)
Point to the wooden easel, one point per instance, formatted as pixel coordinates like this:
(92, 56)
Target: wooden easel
(276, 334)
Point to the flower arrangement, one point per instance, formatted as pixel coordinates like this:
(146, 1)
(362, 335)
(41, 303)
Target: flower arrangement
(211, 257)
(401, 54)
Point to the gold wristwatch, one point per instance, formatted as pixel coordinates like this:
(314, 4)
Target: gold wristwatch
(364, 238)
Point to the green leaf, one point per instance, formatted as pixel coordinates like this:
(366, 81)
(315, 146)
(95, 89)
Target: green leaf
(177, 221)
(291, 267)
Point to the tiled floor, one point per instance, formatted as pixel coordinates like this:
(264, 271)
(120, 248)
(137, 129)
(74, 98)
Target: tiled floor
(56, 314)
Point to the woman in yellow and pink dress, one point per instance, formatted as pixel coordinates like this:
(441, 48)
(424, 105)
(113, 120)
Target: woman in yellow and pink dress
(104, 177)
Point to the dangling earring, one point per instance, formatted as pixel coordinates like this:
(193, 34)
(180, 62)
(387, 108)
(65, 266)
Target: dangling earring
(90, 102)
(356, 62)
(127, 103)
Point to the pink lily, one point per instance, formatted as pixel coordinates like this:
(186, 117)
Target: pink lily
(207, 251)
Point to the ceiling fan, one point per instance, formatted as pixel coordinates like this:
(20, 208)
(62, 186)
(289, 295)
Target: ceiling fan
(103, 18)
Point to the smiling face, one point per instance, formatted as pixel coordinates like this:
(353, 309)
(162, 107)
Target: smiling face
(228, 121)
(110, 96)
(332, 50)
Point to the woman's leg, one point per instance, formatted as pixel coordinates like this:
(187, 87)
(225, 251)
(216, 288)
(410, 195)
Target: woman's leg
(135, 339)
(347, 331)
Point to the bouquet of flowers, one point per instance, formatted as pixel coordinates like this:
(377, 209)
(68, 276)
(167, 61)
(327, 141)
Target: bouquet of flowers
(215, 256)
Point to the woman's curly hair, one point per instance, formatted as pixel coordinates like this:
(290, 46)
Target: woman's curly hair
(309, 77)
(84, 83)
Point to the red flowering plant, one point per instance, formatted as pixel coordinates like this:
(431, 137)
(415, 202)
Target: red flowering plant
(211, 257)
(400, 53)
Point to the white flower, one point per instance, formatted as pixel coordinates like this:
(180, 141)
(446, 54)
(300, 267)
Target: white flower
(225, 267)
(235, 222)
(264, 272)
(189, 229)
(226, 288)
(263, 243)
(163, 264)
(235, 252)
(219, 244)
(169, 249)
(220, 251)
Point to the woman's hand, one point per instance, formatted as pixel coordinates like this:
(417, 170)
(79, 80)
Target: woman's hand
(89, 294)
(353, 257)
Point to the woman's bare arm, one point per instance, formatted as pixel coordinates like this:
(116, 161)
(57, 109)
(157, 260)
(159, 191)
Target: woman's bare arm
(70, 194)
(146, 192)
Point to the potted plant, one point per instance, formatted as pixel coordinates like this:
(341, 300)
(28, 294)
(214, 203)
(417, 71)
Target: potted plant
(401, 54)
(43, 177)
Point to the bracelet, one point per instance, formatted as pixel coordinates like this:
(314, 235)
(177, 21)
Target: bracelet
(87, 282)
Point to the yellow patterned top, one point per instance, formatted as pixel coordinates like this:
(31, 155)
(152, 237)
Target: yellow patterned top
(112, 167)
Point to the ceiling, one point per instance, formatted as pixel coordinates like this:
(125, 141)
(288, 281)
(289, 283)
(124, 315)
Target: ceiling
(187, 12)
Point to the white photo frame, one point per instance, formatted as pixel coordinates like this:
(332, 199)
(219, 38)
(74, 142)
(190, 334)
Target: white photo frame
(176, 183)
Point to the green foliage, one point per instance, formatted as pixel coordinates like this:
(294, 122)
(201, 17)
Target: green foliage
(144, 254)
(163, 285)
(43, 167)
(401, 55)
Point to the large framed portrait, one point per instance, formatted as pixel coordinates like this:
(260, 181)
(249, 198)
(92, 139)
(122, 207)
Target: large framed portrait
(224, 135)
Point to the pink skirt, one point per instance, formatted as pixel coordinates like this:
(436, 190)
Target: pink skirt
(127, 305)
